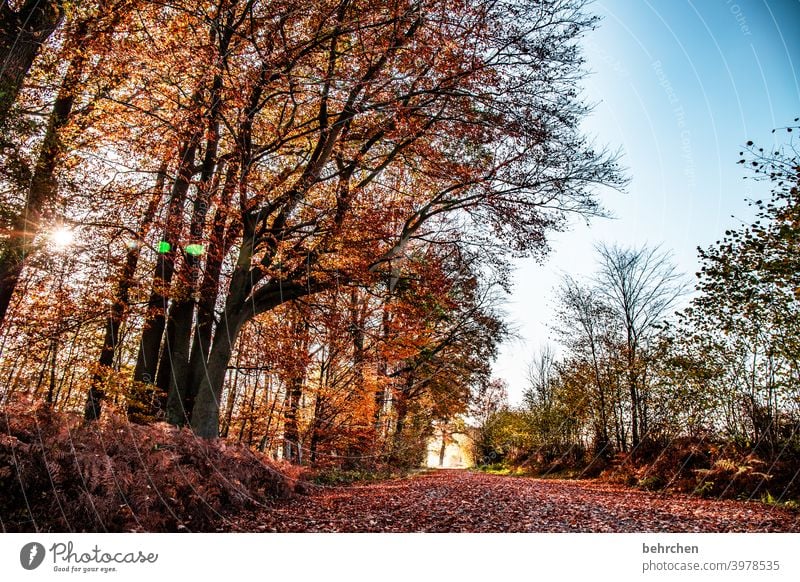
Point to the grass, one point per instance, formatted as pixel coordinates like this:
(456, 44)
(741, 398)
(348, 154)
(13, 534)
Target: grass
(792, 504)
(335, 477)
(503, 469)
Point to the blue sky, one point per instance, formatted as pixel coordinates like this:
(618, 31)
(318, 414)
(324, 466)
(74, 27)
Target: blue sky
(678, 86)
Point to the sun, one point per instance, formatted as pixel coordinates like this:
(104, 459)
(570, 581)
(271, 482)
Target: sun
(62, 237)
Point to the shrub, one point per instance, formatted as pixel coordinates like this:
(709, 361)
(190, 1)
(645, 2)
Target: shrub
(58, 473)
(709, 469)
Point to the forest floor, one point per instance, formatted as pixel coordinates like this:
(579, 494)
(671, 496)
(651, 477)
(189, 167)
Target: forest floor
(465, 501)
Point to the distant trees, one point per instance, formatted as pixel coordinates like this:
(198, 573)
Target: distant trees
(610, 328)
(636, 375)
(601, 394)
(640, 288)
(352, 379)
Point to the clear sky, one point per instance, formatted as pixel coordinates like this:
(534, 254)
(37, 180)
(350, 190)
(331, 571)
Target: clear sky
(678, 86)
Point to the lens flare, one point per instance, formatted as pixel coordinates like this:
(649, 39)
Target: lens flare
(62, 237)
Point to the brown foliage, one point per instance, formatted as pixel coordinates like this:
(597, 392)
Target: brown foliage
(60, 474)
(710, 469)
(465, 501)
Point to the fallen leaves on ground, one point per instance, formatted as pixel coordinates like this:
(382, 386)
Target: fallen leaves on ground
(465, 501)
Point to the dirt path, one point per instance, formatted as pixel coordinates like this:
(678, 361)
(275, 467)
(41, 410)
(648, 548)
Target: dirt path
(463, 501)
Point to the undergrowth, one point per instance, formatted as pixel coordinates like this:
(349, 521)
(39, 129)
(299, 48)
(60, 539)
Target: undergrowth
(685, 465)
(713, 470)
(60, 474)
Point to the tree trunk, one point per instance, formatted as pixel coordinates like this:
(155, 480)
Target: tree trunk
(252, 412)
(155, 318)
(312, 447)
(634, 418)
(183, 308)
(22, 34)
(205, 413)
(121, 301)
(383, 379)
(603, 439)
(222, 236)
(291, 432)
(150, 400)
(401, 408)
(51, 387)
(182, 313)
(232, 391)
(43, 186)
(209, 375)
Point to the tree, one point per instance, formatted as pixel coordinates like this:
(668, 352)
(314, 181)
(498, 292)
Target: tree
(488, 403)
(749, 303)
(389, 107)
(587, 327)
(611, 327)
(541, 376)
(88, 36)
(640, 286)
(23, 31)
(218, 160)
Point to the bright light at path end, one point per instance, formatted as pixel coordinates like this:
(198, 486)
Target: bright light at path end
(62, 237)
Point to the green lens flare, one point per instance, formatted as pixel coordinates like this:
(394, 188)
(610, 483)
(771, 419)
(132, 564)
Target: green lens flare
(164, 247)
(194, 250)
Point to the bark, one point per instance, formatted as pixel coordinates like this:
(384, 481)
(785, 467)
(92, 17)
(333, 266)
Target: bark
(291, 432)
(155, 318)
(232, 391)
(205, 413)
(222, 236)
(401, 407)
(603, 439)
(383, 375)
(210, 375)
(183, 308)
(316, 428)
(266, 439)
(312, 448)
(22, 34)
(51, 387)
(251, 413)
(634, 392)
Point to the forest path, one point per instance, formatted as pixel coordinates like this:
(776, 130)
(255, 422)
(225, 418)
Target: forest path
(466, 501)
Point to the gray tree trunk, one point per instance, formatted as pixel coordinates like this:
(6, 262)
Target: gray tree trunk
(155, 318)
(22, 33)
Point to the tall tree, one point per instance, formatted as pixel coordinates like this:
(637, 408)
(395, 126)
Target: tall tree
(390, 107)
(749, 302)
(23, 31)
(88, 36)
(641, 286)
